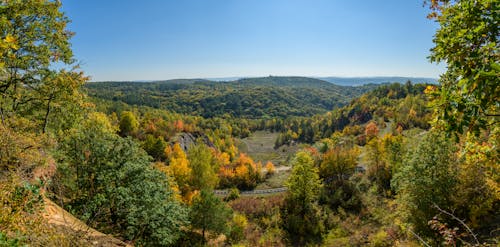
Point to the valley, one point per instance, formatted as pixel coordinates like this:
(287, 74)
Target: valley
(95, 153)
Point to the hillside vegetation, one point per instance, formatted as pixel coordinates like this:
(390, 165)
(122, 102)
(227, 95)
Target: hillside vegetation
(138, 163)
(244, 98)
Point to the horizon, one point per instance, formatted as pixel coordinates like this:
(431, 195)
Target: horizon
(229, 78)
(126, 41)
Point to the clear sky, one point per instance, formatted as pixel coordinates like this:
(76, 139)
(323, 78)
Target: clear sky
(166, 39)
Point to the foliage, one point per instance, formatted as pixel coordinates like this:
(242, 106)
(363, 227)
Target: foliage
(238, 225)
(179, 169)
(371, 130)
(155, 146)
(243, 173)
(204, 167)
(270, 169)
(111, 185)
(467, 41)
(128, 123)
(429, 177)
(405, 104)
(34, 38)
(246, 98)
(209, 213)
(336, 167)
(301, 216)
(478, 179)
(19, 151)
(234, 193)
(378, 167)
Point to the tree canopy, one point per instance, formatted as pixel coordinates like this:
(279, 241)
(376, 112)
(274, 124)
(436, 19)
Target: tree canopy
(468, 42)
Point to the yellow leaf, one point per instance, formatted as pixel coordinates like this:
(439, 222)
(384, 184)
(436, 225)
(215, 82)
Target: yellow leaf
(10, 39)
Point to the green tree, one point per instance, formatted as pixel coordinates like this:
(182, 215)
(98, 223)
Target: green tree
(61, 93)
(467, 41)
(301, 218)
(204, 167)
(428, 177)
(128, 123)
(34, 38)
(209, 213)
(110, 181)
(155, 146)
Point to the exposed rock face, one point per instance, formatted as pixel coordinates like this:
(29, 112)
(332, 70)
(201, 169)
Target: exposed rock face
(186, 140)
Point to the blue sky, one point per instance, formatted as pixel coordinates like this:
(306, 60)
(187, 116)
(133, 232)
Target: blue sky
(163, 39)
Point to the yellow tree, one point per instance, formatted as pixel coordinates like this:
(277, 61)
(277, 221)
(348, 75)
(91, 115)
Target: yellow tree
(179, 169)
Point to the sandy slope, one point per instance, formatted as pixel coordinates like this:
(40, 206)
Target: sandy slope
(59, 217)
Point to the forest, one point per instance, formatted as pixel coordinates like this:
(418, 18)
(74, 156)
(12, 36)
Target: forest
(251, 98)
(189, 162)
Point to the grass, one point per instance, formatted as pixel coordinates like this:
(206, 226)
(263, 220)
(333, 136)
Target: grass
(260, 147)
(275, 181)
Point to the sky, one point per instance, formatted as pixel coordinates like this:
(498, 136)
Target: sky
(166, 39)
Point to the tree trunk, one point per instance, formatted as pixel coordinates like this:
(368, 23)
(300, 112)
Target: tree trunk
(46, 119)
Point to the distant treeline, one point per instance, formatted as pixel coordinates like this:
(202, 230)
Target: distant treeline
(251, 98)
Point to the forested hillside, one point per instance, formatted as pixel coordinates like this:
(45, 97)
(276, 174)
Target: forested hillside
(158, 164)
(245, 98)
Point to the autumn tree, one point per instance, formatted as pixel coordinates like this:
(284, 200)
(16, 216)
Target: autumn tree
(34, 38)
(468, 42)
(336, 167)
(378, 169)
(270, 169)
(371, 130)
(179, 169)
(128, 123)
(301, 216)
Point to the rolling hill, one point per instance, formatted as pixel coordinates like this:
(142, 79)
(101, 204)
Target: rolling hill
(356, 81)
(248, 98)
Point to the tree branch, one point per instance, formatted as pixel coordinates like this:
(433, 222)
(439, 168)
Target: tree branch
(419, 238)
(457, 219)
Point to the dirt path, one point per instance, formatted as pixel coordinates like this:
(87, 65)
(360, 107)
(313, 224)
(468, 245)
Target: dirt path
(255, 192)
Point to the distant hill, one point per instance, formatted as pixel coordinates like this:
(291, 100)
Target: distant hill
(356, 81)
(248, 98)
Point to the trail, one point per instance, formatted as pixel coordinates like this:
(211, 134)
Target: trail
(255, 192)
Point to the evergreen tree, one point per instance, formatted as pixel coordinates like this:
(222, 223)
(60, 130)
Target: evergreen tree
(209, 213)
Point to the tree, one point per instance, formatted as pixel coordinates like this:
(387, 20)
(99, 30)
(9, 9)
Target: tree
(427, 178)
(338, 163)
(128, 123)
(371, 130)
(468, 42)
(301, 217)
(109, 180)
(378, 168)
(179, 168)
(203, 167)
(209, 213)
(336, 167)
(34, 38)
(59, 92)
